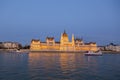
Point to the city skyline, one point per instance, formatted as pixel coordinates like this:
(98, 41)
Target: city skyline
(22, 21)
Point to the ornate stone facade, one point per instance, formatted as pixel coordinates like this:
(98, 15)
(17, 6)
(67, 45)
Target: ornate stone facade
(63, 45)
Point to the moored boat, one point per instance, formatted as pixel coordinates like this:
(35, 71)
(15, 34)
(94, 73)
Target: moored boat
(21, 51)
(91, 53)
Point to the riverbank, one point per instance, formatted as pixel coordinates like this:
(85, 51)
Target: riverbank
(52, 51)
(14, 50)
(57, 51)
(110, 52)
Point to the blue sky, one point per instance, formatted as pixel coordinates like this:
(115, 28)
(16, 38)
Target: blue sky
(93, 20)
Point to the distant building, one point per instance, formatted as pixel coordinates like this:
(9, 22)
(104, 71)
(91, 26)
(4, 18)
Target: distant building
(102, 48)
(11, 45)
(112, 47)
(63, 45)
(78, 42)
(50, 41)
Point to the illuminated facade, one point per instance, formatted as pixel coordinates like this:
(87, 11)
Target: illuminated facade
(63, 45)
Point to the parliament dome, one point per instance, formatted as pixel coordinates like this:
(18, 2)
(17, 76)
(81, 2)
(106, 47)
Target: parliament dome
(64, 34)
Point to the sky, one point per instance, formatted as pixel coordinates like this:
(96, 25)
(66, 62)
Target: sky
(92, 20)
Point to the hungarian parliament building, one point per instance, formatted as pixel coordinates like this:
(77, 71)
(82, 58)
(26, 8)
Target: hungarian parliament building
(63, 45)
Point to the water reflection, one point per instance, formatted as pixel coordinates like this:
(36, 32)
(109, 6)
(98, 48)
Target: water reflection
(65, 66)
(54, 65)
(59, 66)
(46, 60)
(42, 64)
(67, 62)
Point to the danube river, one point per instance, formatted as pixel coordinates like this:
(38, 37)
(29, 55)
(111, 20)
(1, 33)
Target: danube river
(59, 66)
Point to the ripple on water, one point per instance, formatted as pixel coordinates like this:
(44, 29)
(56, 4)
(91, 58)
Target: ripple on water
(59, 66)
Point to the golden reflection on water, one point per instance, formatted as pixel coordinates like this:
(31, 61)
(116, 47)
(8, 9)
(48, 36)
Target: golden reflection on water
(67, 62)
(58, 66)
(63, 62)
(45, 60)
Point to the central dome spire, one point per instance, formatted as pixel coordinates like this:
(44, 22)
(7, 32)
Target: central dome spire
(64, 31)
(65, 34)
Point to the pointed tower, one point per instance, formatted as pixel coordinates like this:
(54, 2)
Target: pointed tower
(73, 40)
(64, 41)
(61, 39)
(64, 38)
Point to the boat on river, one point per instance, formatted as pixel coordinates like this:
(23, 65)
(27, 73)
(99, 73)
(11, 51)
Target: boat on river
(92, 53)
(20, 51)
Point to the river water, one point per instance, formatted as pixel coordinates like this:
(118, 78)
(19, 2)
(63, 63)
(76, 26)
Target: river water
(59, 66)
